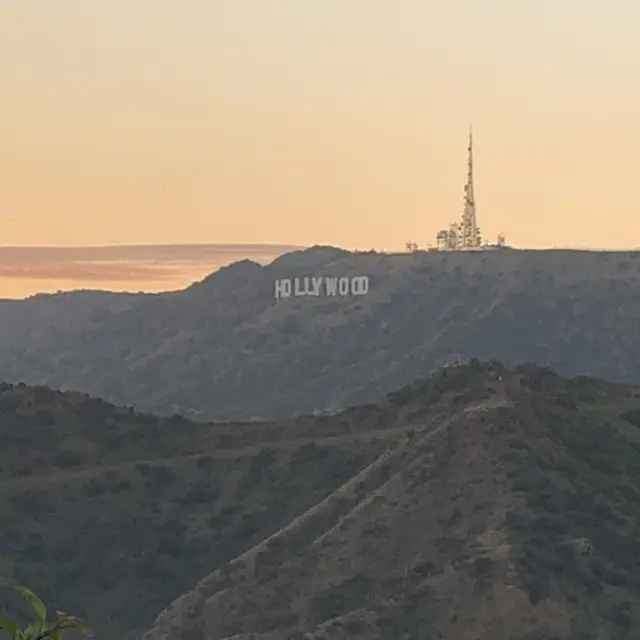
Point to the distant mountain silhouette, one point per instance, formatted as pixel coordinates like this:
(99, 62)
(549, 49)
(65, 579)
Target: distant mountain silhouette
(224, 348)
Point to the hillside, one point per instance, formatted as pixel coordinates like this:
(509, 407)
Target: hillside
(510, 510)
(480, 502)
(225, 349)
(111, 514)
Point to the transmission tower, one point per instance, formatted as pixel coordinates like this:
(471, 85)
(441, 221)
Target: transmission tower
(469, 232)
(465, 234)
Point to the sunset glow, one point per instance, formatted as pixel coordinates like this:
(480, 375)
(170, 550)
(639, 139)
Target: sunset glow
(332, 122)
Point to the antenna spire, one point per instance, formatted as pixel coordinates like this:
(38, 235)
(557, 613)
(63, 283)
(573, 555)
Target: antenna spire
(465, 234)
(469, 226)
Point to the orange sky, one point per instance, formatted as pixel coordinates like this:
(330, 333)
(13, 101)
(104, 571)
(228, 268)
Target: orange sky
(25, 271)
(335, 121)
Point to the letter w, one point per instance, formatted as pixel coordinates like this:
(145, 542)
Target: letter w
(332, 286)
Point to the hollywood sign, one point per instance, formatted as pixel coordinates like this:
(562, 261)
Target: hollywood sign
(321, 286)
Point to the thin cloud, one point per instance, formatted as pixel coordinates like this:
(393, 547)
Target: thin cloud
(86, 272)
(127, 263)
(138, 253)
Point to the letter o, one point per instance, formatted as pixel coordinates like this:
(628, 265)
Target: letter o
(360, 285)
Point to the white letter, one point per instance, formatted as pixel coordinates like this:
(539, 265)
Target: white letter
(283, 288)
(296, 287)
(343, 286)
(316, 283)
(360, 286)
(331, 284)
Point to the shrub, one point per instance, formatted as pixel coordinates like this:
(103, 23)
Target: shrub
(632, 416)
(204, 461)
(68, 458)
(40, 628)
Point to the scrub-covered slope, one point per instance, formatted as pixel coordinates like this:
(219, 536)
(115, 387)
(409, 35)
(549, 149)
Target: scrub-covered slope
(510, 510)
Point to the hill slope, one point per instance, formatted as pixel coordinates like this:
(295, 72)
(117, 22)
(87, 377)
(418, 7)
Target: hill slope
(225, 349)
(112, 514)
(480, 502)
(514, 513)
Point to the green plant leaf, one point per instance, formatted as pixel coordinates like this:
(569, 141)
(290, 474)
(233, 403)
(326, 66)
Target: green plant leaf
(34, 601)
(9, 626)
(36, 629)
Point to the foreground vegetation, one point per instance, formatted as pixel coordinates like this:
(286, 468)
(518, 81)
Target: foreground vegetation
(41, 627)
(131, 509)
(482, 501)
(511, 510)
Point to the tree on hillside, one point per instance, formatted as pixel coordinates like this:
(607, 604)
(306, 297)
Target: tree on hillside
(40, 628)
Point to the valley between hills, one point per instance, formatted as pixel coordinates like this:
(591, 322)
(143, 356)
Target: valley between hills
(481, 501)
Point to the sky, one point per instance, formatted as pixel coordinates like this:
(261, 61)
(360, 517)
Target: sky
(26, 271)
(301, 122)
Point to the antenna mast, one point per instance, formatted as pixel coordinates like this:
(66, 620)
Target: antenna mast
(470, 232)
(465, 234)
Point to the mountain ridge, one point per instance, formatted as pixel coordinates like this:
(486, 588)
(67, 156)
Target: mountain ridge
(479, 501)
(253, 356)
(374, 565)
